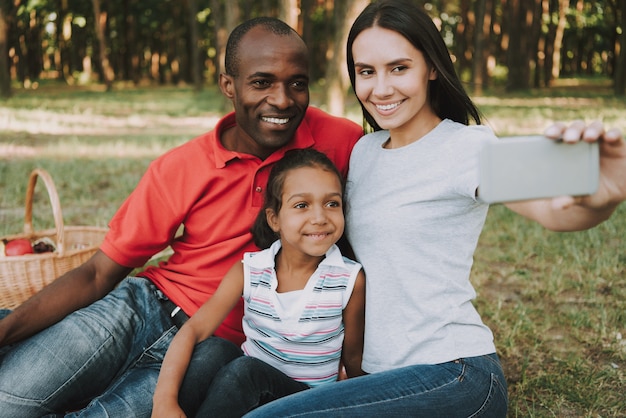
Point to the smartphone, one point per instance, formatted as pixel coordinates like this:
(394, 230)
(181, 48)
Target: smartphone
(534, 167)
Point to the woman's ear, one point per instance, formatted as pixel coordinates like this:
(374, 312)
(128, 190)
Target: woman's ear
(433, 74)
(272, 220)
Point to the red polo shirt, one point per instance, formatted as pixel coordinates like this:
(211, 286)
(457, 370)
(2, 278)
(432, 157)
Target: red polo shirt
(215, 194)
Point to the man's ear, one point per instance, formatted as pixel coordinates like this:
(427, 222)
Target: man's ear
(227, 85)
(272, 220)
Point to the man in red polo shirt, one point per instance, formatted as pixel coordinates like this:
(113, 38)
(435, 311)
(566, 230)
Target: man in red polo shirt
(94, 338)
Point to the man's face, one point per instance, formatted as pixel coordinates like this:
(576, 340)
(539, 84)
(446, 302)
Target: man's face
(270, 93)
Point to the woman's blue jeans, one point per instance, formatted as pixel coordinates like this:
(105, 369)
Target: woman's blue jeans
(470, 387)
(241, 384)
(102, 360)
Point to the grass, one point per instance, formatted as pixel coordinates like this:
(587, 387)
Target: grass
(555, 301)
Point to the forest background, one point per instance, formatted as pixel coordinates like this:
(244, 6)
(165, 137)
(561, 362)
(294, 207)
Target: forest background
(92, 91)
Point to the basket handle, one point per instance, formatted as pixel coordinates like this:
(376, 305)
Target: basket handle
(54, 201)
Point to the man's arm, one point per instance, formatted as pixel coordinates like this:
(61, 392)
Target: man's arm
(568, 213)
(73, 290)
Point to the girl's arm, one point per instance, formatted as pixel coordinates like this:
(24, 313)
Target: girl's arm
(354, 324)
(198, 328)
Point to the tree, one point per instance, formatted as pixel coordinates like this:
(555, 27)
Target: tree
(558, 39)
(517, 53)
(100, 25)
(192, 8)
(620, 62)
(337, 81)
(5, 76)
(481, 43)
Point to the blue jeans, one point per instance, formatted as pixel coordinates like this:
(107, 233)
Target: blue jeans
(222, 382)
(470, 387)
(102, 360)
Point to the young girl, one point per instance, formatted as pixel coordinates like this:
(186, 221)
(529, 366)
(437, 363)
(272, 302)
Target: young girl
(413, 219)
(304, 302)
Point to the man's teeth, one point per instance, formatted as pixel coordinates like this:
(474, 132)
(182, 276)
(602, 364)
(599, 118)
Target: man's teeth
(279, 121)
(388, 106)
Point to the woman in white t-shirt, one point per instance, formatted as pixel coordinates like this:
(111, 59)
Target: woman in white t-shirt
(413, 219)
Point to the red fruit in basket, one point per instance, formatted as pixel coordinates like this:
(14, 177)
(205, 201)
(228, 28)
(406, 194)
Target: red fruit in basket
(18, 246)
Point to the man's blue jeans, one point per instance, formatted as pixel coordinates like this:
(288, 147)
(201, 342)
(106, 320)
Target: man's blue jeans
(471, 387)
(102, 360)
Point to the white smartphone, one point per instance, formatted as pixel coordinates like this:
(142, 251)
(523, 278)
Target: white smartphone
(535, 167)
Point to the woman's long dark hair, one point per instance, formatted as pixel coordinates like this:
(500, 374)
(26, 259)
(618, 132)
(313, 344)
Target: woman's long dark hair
(263, 235)
(447, 96)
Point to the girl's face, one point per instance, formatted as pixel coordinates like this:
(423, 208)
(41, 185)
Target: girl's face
(311, 219)
(392, 81)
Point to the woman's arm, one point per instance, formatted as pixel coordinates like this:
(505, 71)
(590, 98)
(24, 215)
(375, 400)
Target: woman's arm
(198, 328)
(354, 325)
(568, 213)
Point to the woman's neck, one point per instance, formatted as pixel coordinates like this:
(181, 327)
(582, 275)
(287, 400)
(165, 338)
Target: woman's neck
(412, 131)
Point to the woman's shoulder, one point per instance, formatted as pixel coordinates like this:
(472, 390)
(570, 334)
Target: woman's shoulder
(371, 140)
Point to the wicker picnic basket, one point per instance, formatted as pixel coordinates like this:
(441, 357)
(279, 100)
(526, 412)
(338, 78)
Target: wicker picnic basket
(22, 276)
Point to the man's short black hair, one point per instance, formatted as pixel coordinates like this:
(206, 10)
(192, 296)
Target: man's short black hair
(272, 24)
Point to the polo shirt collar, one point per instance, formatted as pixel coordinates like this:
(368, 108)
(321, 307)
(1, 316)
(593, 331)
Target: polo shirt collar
(303, 138)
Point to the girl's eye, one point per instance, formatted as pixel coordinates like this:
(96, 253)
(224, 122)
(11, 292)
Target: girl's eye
(301, 205)
(334, 204)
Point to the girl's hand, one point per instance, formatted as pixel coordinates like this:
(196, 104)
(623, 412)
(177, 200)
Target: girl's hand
(167, 409)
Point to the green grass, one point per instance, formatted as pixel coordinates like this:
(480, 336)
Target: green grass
(555, 301)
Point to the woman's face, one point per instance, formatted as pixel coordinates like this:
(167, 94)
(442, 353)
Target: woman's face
(391, 80)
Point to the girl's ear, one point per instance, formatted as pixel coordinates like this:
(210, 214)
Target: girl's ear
(272, 220)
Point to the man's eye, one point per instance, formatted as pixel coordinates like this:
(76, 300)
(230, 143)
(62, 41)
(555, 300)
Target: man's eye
(260, 83)
(300, 85)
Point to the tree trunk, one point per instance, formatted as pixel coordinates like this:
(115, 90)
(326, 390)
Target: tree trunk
(194, 51)
(463, 33)
(620, 63)
(60, 52)
(517, 54)
(558, 39)
(288, 13)
(5, 75)
(100, 24)
(479, 61)
(336, 73)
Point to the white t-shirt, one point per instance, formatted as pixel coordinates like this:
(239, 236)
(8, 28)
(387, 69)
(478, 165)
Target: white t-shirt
(414, 222)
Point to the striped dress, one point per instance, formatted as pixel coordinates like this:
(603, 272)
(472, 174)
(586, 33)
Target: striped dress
(301, 336)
